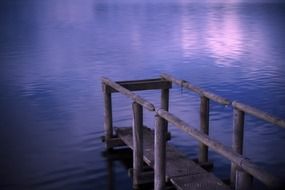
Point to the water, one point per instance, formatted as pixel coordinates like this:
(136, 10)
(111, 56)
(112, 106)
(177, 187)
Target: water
(53, 53)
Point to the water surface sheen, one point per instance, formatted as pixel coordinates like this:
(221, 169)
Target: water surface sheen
(53, 54)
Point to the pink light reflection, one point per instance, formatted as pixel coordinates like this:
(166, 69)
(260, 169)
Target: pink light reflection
(189, 37)
(225, 38)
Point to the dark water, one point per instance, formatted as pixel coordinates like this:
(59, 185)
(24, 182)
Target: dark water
(53, 53)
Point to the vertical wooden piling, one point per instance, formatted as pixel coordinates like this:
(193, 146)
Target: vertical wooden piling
(159, 153)
(165, 104)
(243, 180)
(108, 118)
(238, 127)
(204, 127)
(138, 142)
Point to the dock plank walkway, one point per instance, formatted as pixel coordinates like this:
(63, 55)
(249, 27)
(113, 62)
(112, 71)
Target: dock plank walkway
(184, 173)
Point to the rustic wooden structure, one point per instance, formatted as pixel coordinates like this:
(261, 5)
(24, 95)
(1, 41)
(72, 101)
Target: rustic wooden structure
(168, 163)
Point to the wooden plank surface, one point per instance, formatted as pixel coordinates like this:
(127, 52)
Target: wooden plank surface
(206, 181)
(184, 173)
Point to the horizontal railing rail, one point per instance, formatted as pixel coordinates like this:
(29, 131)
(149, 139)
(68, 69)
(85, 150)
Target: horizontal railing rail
(259, 114)
(197, 90)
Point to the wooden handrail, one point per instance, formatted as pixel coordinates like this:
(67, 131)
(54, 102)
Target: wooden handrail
(197, 90)
(129, 94)
(234, 154)
(227, 152)
(259, 114)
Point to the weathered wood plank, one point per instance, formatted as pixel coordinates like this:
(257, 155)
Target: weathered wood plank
(177, 164)
(205, 181)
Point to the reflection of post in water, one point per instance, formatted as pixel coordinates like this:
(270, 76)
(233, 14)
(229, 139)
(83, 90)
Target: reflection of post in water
(124, 156)
(110, 179)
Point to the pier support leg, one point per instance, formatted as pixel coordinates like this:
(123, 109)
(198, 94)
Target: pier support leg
(243, 180)
(108, 118)
(204, 127)
(238, 127)
(159, 153)
(137, 142)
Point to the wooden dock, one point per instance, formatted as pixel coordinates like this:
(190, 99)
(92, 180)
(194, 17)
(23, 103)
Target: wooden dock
(169, 164)
(183, 173)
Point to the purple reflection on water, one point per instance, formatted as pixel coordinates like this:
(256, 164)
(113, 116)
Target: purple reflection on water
(53, 54)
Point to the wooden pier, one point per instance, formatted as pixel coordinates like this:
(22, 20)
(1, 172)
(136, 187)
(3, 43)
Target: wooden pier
(170, 165)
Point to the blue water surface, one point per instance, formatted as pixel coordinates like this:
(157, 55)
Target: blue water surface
(54, 53)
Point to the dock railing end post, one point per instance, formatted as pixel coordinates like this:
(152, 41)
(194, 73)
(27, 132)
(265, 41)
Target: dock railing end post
(204, 127)
(137, 142)
(108, 118)
(238, 133)
(159, 153)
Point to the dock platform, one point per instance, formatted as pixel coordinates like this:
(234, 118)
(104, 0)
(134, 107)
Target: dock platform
(181, 171)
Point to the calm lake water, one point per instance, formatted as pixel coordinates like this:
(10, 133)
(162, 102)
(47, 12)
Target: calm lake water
(53, 54)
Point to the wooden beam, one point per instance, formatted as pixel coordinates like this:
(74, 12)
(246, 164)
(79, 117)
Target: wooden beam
(148, 84)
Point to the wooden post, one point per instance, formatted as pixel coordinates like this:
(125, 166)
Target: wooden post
(108, 118)
(159, 153)
(165, 104)
(243, 180)
(238, 126)
(138, 142)
(204, 127)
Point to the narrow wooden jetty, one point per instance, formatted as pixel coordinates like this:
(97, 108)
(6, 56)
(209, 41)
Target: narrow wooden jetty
(180, 170)
(169, 164)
